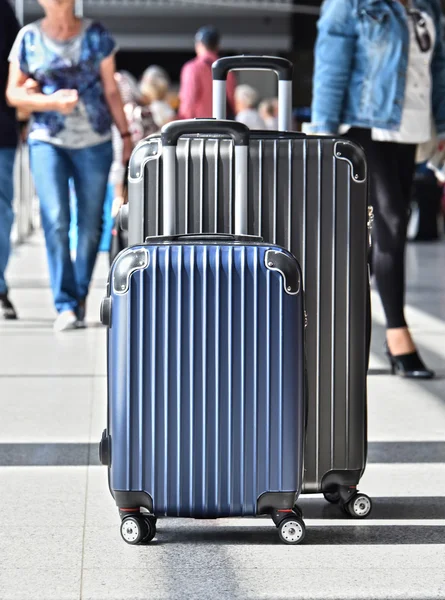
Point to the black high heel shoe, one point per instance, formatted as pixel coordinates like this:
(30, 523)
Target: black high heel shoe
(409, 365)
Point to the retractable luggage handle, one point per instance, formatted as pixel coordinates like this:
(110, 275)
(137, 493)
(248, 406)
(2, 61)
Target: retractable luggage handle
(281, 66)
(170, 135)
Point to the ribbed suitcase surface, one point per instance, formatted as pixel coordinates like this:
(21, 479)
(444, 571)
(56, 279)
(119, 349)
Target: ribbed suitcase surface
(309, 196)
(206, 386)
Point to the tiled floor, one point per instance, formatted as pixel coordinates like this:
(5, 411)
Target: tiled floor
(59, 535)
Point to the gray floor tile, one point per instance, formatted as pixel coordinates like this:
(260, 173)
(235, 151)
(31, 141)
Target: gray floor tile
(395, 413)
(404, 480)
(101, 511)
(45, 409)
(99, 407)
(49, 455)
(51, 543)
(256, 569)
(39, 493)
(100, 362)
(48, 354)
(406, 452)
(36, 583)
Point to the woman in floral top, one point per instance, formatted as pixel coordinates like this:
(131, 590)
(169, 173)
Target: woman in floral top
(72, 61)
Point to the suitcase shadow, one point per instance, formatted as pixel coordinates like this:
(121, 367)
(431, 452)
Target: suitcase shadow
(396, 509)
(374, 372)
(219, 535)
(377, 372)
(375, 535)
(338, 535)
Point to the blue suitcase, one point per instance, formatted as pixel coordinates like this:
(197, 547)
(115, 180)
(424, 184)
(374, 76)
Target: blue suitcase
(206, 370)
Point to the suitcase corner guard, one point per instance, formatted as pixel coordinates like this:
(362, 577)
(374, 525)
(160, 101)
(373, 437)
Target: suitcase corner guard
(355, 156)
(126, 264)
(285, 264)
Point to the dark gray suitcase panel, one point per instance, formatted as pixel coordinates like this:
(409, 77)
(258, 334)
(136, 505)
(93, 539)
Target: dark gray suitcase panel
(305, 198)
(206, 386)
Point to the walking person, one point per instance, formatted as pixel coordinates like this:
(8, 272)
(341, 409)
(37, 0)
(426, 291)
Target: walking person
(9, 28)
(380, 79)
(267, 110)
(195, 95)
(154, 86)
(140, 124)
(73, 62)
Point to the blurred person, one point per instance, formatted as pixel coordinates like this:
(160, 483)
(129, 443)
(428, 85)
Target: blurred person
(380, 78)
(195, 93)
(267, 111)
(154, 87)
(9, 28)
(140, 124)
(246, 99)
(72, 60)
(130, 95)
(173, 97)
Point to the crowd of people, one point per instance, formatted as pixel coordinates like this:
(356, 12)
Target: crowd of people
(84, 120)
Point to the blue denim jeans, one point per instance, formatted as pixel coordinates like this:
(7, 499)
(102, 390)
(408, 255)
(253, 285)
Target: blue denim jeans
(107, 220)
(7, 156)
(52, 167)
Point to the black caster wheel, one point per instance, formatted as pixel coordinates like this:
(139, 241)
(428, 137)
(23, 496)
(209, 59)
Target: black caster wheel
(332, 497)
(297, 510)
(359, 506)
(133, 530)
(151, 529)
(292, 530)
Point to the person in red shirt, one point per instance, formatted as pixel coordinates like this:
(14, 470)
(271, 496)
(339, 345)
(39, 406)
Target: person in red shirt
(195, 93)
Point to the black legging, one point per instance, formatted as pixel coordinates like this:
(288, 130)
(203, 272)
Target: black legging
(391, 171)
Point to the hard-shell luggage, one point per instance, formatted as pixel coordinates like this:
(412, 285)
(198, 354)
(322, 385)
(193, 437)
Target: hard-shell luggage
(206, 382)
(309, 195)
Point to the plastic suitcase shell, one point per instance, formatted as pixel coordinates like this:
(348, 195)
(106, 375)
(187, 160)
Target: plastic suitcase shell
(206, 364)
(206, 388)
(308, 195)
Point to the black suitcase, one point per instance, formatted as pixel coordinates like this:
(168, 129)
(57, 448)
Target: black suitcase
(309, 195)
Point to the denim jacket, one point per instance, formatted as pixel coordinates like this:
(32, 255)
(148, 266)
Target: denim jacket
(361, 58)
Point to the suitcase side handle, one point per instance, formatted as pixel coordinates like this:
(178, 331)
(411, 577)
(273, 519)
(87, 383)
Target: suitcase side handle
(170, 135)
(281, 66)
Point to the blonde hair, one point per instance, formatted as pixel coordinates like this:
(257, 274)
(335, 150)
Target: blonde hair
(155, 83)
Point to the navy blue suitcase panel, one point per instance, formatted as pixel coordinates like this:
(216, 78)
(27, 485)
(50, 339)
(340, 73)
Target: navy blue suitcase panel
(206, 379)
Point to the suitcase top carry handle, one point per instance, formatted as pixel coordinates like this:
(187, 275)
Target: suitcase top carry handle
(281, 66)
(207, 237)
(170, 135)
(173, 131)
